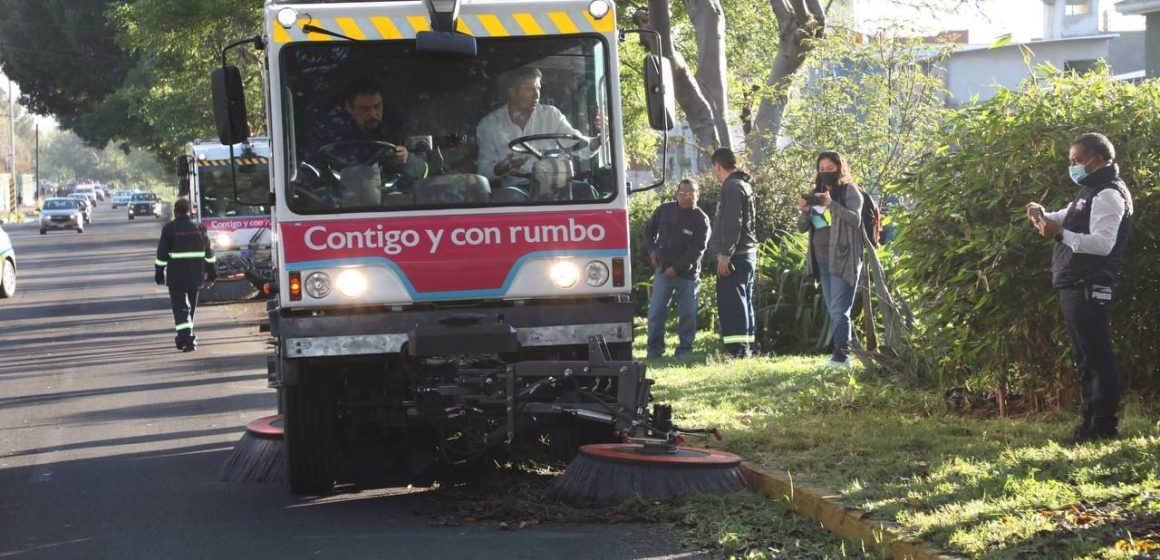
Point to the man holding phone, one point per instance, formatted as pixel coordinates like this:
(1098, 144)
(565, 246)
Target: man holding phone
(1091, 238)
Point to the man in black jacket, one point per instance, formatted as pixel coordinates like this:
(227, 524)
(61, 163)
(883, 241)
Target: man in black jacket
(1091, 238)
(185, 252)
(675, 238)
(734, 247)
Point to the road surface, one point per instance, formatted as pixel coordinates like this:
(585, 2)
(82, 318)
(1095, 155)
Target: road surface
(111, 440)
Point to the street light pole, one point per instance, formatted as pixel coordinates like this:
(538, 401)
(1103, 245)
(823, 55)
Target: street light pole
(36, 181)
(12, 146)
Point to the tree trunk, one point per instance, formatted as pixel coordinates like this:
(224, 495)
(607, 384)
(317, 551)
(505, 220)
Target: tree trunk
(708, 20)
(799, 22)
(686, 90)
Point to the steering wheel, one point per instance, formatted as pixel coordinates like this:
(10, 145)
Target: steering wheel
(522, 145)
(329, 151)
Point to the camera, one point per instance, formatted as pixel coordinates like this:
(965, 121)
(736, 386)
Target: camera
(811, 198)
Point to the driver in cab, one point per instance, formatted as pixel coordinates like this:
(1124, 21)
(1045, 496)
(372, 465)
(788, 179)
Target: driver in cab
(364, 105)
(522, 115)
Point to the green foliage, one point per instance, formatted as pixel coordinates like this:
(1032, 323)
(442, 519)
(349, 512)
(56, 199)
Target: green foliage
(64, 157)
(976, 271)
(790, 311)
(179, 44)
(875, 103)
(63, 55)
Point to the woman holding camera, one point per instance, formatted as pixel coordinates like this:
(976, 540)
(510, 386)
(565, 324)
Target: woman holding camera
(832, 214)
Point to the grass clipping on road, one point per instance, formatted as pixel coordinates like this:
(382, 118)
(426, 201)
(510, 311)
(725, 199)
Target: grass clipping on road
(982, 486)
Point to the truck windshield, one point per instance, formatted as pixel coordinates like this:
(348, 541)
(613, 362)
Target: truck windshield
(216, 188)
(378, 127)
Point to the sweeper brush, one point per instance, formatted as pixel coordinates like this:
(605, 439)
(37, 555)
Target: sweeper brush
(258, 456)
(606, 474)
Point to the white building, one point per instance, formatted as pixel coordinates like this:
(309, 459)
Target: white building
(1072, 40)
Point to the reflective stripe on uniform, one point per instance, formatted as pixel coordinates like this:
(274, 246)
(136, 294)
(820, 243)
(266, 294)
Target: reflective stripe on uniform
(211, 259)
(185, 325)
(737, 339)
(160, 262)
(189, 255)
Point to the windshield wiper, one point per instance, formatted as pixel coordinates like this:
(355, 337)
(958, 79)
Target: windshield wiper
(311, 28)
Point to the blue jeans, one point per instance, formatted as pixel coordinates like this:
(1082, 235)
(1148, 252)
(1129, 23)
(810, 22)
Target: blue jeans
(839, 298)
(735, 305)
(664, 289)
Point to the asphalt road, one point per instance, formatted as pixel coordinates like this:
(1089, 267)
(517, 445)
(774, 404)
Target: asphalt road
(110, 439)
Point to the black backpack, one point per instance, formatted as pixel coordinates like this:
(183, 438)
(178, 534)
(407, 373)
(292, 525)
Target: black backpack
(871, 216)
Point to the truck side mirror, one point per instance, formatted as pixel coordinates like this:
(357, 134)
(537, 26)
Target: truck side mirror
(183, 165)
(229, 105)
(658, 95)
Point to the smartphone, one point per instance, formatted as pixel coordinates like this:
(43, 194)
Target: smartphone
(1037, 213)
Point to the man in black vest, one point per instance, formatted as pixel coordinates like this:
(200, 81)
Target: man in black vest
(184, 259)
(1091, 237)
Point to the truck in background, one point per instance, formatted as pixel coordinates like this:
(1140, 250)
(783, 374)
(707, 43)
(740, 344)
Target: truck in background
(239, 229)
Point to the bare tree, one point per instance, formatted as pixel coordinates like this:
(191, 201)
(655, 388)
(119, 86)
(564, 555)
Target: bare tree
(702, 97)
(708, 20)
(799, 23)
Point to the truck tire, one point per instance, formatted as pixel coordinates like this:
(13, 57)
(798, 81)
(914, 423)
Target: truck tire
(310, 434)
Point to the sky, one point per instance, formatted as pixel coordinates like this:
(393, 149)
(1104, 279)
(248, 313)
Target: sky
(994, 18)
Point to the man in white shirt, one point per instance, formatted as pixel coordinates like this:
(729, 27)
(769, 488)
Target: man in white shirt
(1091, 239)
(522, 115)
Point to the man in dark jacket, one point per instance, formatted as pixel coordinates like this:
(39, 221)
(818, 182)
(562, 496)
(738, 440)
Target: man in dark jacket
(1091, 238)
(675, 238)
(184, 259)
(734, 246)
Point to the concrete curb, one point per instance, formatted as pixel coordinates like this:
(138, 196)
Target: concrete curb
(819, 504)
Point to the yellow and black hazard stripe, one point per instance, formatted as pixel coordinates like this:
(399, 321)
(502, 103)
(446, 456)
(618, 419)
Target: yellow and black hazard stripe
(226, 162)
(499, 24)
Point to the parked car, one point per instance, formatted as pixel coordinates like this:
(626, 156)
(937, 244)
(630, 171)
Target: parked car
(7, 266)
(121, 198)
(144, 204)
(85, 205)
(61, 213)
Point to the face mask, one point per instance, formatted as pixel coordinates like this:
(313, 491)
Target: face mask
(1078, 171)
(829, 178)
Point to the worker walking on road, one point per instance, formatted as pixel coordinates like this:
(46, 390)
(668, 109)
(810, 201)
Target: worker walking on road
(185, 251)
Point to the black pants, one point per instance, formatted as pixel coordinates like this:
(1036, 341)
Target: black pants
(1089, 326)
(184, 305)
(735, 305)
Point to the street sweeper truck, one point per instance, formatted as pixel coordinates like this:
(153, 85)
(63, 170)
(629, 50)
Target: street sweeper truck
(450, 230)
(216, 183)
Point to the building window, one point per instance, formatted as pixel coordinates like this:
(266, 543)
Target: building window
(1081, 66)
(1078, 7)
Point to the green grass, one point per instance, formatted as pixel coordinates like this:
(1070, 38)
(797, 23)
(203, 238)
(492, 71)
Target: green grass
(970, 482)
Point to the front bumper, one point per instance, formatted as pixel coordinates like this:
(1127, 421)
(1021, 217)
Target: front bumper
(483, 330)
(71, 223)
(144, 210)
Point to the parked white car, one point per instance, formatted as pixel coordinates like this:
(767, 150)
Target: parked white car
(7, 266)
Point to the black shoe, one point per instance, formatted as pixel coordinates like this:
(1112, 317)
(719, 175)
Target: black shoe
(189, 348)
(1085, 434)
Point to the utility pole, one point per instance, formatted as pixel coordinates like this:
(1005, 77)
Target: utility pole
(11, 146)
(36, 181)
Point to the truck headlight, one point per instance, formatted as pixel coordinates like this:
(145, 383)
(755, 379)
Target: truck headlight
(596, 274)
(598, 9)
(317, 285)
(351, 283)
(564, 274)
(221, 240)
